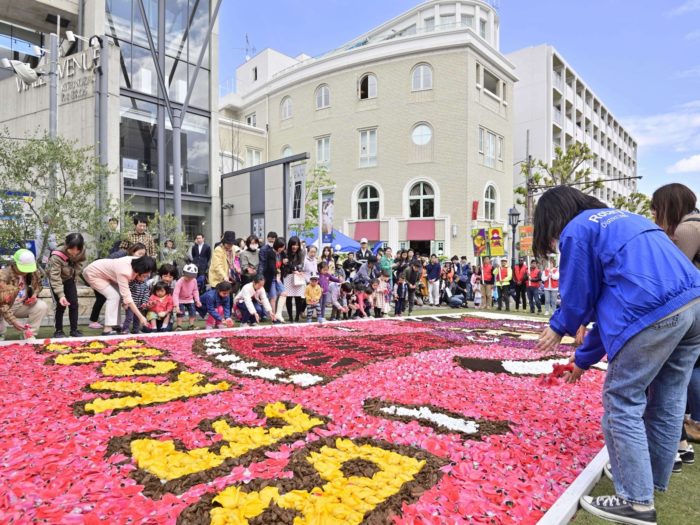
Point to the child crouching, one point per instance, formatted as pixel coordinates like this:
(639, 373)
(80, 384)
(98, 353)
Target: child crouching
(216, 306)
(160, 306)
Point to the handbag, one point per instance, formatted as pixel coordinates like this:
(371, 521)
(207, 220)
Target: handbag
(299, 280)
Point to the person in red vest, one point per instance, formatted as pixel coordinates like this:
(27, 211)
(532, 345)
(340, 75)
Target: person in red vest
(550, 278)
(487, 280)
(534, 279)
(520, 278)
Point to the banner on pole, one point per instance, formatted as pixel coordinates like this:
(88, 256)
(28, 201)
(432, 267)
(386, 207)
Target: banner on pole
(475, 209)
(496, 242)
(479, 241)
(327, 213)
(526, 236)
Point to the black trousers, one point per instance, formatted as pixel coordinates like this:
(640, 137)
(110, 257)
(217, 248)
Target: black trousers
(504, 296)
(71, 292)
(521, 295)
(100, 301)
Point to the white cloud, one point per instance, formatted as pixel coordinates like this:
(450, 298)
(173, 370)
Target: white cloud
(686, 7)
(677, 130)
(693, 35)
(687, 165)
(693, 72)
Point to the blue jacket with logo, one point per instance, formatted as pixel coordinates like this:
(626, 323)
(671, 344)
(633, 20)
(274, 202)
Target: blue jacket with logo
(623, 272)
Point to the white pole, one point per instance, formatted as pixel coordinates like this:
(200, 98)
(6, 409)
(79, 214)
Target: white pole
(320, 219)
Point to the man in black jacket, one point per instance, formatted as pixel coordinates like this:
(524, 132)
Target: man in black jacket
(267, 261)
(412, 276)
(201, 257)
(363, 252)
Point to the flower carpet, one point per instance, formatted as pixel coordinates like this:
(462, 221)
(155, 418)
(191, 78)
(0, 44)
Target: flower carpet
(441, 420)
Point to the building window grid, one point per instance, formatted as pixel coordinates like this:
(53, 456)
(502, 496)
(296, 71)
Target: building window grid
(323, 151)
(253, 156)
(368, 87)
(296, 201)
(491, 146)
(368, 148)
(422, 134)
(490, 203)
(251, 120)
(323, 97)
(421, 201)
(368, 203)
(286, 108)
(422, 78)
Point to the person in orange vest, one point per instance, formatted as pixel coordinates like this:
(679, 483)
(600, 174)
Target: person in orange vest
(534, 279)
(550, 278)
(487, 281)
(504, 275)
(520, 277)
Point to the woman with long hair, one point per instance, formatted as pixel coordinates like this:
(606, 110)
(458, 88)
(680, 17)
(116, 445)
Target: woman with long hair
(327, 257)
(293, 277)
(647, 323)
(674, 207)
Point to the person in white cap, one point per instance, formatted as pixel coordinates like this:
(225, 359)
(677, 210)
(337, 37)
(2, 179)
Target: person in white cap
(363, 252)
(20, 284)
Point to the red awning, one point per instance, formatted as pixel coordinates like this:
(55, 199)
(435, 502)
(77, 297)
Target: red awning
(369, 229)
(423, 230)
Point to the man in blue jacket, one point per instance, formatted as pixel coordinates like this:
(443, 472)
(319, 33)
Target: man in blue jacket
(615, 273)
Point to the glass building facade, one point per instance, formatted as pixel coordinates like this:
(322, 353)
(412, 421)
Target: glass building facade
(178, 28)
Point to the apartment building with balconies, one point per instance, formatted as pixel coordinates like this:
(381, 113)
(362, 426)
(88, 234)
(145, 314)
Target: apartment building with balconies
(555, 107)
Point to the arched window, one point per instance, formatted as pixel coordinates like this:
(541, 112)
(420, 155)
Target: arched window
(323, 97)
(287, 151)
(421, 200)
(368, 203)
(422, 78)
(368, 87)
(422, 134)
(286, 108)
(490, 203)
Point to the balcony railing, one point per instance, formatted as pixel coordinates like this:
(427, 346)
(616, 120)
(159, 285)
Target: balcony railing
(557, 116)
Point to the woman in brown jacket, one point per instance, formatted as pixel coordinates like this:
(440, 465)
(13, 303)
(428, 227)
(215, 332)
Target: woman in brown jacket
(65, 263)
(674, 207)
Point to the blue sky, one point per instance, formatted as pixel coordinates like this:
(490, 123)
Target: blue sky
(641, 57)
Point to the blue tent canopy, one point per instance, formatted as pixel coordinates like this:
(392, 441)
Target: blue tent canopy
(347, 244)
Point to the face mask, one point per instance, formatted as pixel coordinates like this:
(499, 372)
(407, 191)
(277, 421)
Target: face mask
(253, 247)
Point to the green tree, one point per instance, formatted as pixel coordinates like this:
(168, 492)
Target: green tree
(566, 169)
(637, 203)
(165, 227)
(33, 209)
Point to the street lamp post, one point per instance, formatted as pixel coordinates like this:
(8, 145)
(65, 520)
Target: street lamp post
(513, 220)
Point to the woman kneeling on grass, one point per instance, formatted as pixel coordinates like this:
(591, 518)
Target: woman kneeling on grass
(648, 324)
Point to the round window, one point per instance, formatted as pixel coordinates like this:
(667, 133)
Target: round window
(422, 134)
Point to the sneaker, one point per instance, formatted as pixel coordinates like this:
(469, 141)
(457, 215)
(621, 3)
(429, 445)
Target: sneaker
(677, 465)
(95, 325)
(58, 333)
(607, 470)
(687, 455)
(76, 333)
(614, 508)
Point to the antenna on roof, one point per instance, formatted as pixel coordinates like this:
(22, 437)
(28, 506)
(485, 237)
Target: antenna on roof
(249, 50)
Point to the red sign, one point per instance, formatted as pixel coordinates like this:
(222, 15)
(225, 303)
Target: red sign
(475, 209)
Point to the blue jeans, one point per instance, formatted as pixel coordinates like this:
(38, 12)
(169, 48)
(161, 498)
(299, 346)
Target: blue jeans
(247, 317)
(533, 297)
(694, 395)
(550, 302)
(644, 398)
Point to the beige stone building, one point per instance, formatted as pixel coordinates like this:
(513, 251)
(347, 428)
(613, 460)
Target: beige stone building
(413, 120)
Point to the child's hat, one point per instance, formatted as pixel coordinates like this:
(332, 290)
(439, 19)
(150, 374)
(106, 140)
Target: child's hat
(24, 261)
(313, 277)
(190, 270)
